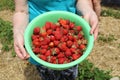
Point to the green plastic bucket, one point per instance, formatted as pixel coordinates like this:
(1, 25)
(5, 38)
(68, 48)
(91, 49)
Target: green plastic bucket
(53, 16)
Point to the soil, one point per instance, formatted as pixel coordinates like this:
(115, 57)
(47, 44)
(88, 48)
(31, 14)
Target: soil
(105, 55)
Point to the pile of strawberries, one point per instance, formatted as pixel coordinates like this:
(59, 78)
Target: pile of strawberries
(58, 43)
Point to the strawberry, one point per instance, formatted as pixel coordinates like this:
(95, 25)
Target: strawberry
(65, 31)
(36, 30)
(36, 50)
(68, 53)
(62, 21)
(72, 50)
(79, 28)
(57, 35)
(51, 44)
(70, 37)
(44, 46)
(58, 29)
(43, 34)
(36, 43)
(75, 56)
(43, 51)
(48, 53)
(69, 43)
(49, 31)
(52, 38)
(80, 36)
(48, 25)
(62, 47)
(35, 37)
(65, 26)
(47, 40)
(43, 42)
(61, 60)
(55, 62)
(71, 25)
(82, 47)
(43, 57)
(57, 50)
(56, 43)
(53, 26)
(60, 55)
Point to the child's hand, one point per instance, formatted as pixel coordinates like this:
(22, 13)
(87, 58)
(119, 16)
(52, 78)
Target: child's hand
(19, 45)
(92, 19)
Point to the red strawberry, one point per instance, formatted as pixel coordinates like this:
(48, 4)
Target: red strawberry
(35, 37)
(51, 44)
(57, 50)
(44, 46)
(48, 53)
(71, 31)
(71, 25)
(82, 47)
(72, 50)
(80, 36)
(36, 30)
(58, 29)
(65, 26)
(64, 39)
(56, 43)
(55, 62)
(43, 42)
(62, 47)
(47, 40)
(62, 21)
(53, 26)
(65, 31)
(61, 60)
(57, 35)
(49, 31)
(36, 43)
(70, 37)
(43, 51)
(36, 50)
(43, 57)
(68, 53)
(75, 56)
(52, 38)
(79, 28)
(69, 43)
(43, 34)
(48, 25)
(60, 55)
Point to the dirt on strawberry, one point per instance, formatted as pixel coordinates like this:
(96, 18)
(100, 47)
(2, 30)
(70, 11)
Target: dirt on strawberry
(105, 54)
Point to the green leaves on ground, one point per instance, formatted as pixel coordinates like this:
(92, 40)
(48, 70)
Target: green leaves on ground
(7, 4)
(87, 71)
(6, 35)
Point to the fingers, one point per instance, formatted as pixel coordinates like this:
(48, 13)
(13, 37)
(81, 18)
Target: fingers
(93, 21)
(21, 53)
(96, 33)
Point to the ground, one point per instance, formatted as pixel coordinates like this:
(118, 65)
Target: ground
(105, 54)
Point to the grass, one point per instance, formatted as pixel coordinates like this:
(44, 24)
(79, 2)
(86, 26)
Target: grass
(106, 38)
(87, 71)
(6, 36)
(112, 12)
(6, 4)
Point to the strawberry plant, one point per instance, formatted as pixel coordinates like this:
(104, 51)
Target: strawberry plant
(87, 71)
(6, 36)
